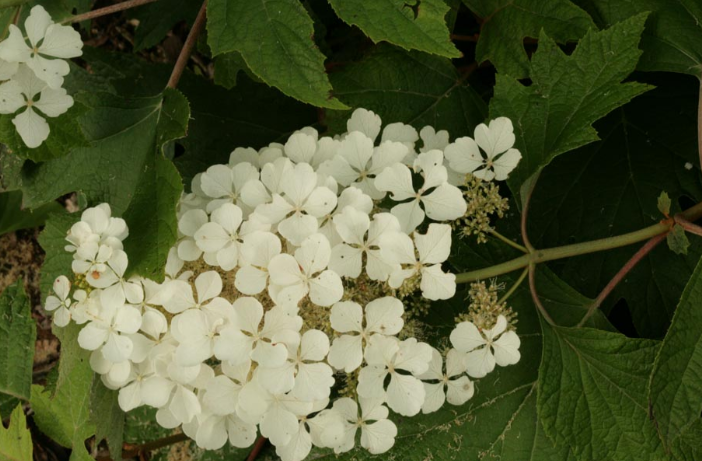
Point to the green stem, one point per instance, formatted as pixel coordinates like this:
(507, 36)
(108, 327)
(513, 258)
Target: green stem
(509, 242)
(514, 287)
(550, 254)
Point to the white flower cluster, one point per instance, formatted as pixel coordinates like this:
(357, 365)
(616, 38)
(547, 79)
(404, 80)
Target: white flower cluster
(287, 279)
(32, 66)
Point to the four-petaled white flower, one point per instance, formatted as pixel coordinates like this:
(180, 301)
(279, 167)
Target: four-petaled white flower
(382, 316)
(21, 92)
(496, 140)
(108, 331)
(188, 224)
(224, 184)
(49, 44)
(386, 355)
(297, 211)
(352, 226)
(61, 303)
(452, 385)
(292, 278)
(357, 162)
(196, 332)
(436, 198)
(257, 250)
(486, 348)
(115, 289)
(220, 236)
(377, 431)
(208, 286)
(432, 249)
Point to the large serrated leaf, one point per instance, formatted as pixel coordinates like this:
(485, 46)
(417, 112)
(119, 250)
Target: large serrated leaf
(568, 93)
(409, 87)
(412, 26)
(505, 25)
(275, 39)
(17, 336)
(672, 40)
(676, 383)
(592, 393)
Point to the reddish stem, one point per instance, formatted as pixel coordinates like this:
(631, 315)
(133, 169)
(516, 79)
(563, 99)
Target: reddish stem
(619, 276)
(535, 295)
(465, 38)
(260, 443)
(688, 226)
(188, 46)
(107, 10)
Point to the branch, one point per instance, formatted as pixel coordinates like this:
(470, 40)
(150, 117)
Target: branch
(688, 226)
(619, 276)
(137, 450)
(260, 443)
(107, 10)
(566, 251)
(526, 198)
(699, 125)
(188, 46)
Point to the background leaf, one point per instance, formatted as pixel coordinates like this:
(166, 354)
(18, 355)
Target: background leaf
(592, 393)
(611, 187)
(157, 19)
(412, 26)
(505, 25)
(107, 417)
(568, 93)
(19, 334)
(672, 40)
(275, 39)
(13, 217)
(409, 87)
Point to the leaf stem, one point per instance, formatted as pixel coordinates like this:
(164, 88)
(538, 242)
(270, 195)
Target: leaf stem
(619, 276)
(566, 251)
(535, 295)
(688, 226)
(509, 242)
(106, 10)
(260, 443)
(514, 287)
(699, 124)
(188, 46)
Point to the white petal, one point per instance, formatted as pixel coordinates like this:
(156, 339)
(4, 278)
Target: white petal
(37, 23)
(371, 381)
(320, 202)
(314, 253)
(54, 102)
(507, 349)
(405, 394)
(300, 148)
(435, 397)
(396, 179)
(366, 122)
(397, 248)
(117, 348)
(326, 288)
(346, 316)
(505, 163)
(480, 362)
(250, 280)
(31, 127)
(409, 214)
(278, 425)
(445, 203)
(217, 181)
(298, 227)
(314, 346)
(346, 260)
(437, 284)
(313, 381)
(378, 437)
(14, 48)
(463, 155)
(413, 356)
(208, 285)
(156, 390)
(466, 337)
(384, 315)
(50, 71)
(435, 370)
(211, 237)
(11, 98)
(233, 346)
(346, 353)
(460, 391)
(284, 270)
(434, 247)
(92, 337)
(496, 138)
(130, 396)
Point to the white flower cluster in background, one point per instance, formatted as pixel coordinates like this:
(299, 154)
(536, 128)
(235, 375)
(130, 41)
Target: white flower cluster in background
(289, 281)
(32, 67)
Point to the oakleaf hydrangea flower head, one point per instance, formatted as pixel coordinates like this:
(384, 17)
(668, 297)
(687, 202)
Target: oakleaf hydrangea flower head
(294, 295)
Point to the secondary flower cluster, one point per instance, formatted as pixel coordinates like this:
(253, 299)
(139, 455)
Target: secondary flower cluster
(290, 279)
(32, 66)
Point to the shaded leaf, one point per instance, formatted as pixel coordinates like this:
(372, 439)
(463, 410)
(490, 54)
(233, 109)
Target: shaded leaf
(107, 417)
(13, 217)
(409, 87)
(677, 240)
(157, 19)
(16, 440)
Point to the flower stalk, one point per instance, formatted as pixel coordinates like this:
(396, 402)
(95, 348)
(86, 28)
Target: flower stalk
(106, 10)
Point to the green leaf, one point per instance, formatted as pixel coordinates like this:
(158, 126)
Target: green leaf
(157, 19)
(227, 67)
(19, 333)
(16, 440)
(53, 240)
(676, 383)
(505, 25)
(677, 240)
(275, 39)
(13, 217)
(417, 25)
(65, 135)
(568, 93)
(107, 417)
(7, 404)
(62, 9)
(409, 87)
(65, 415)
(611, 188)
(664, 203)
(10, 170)
(672, 40)
(592, 394)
